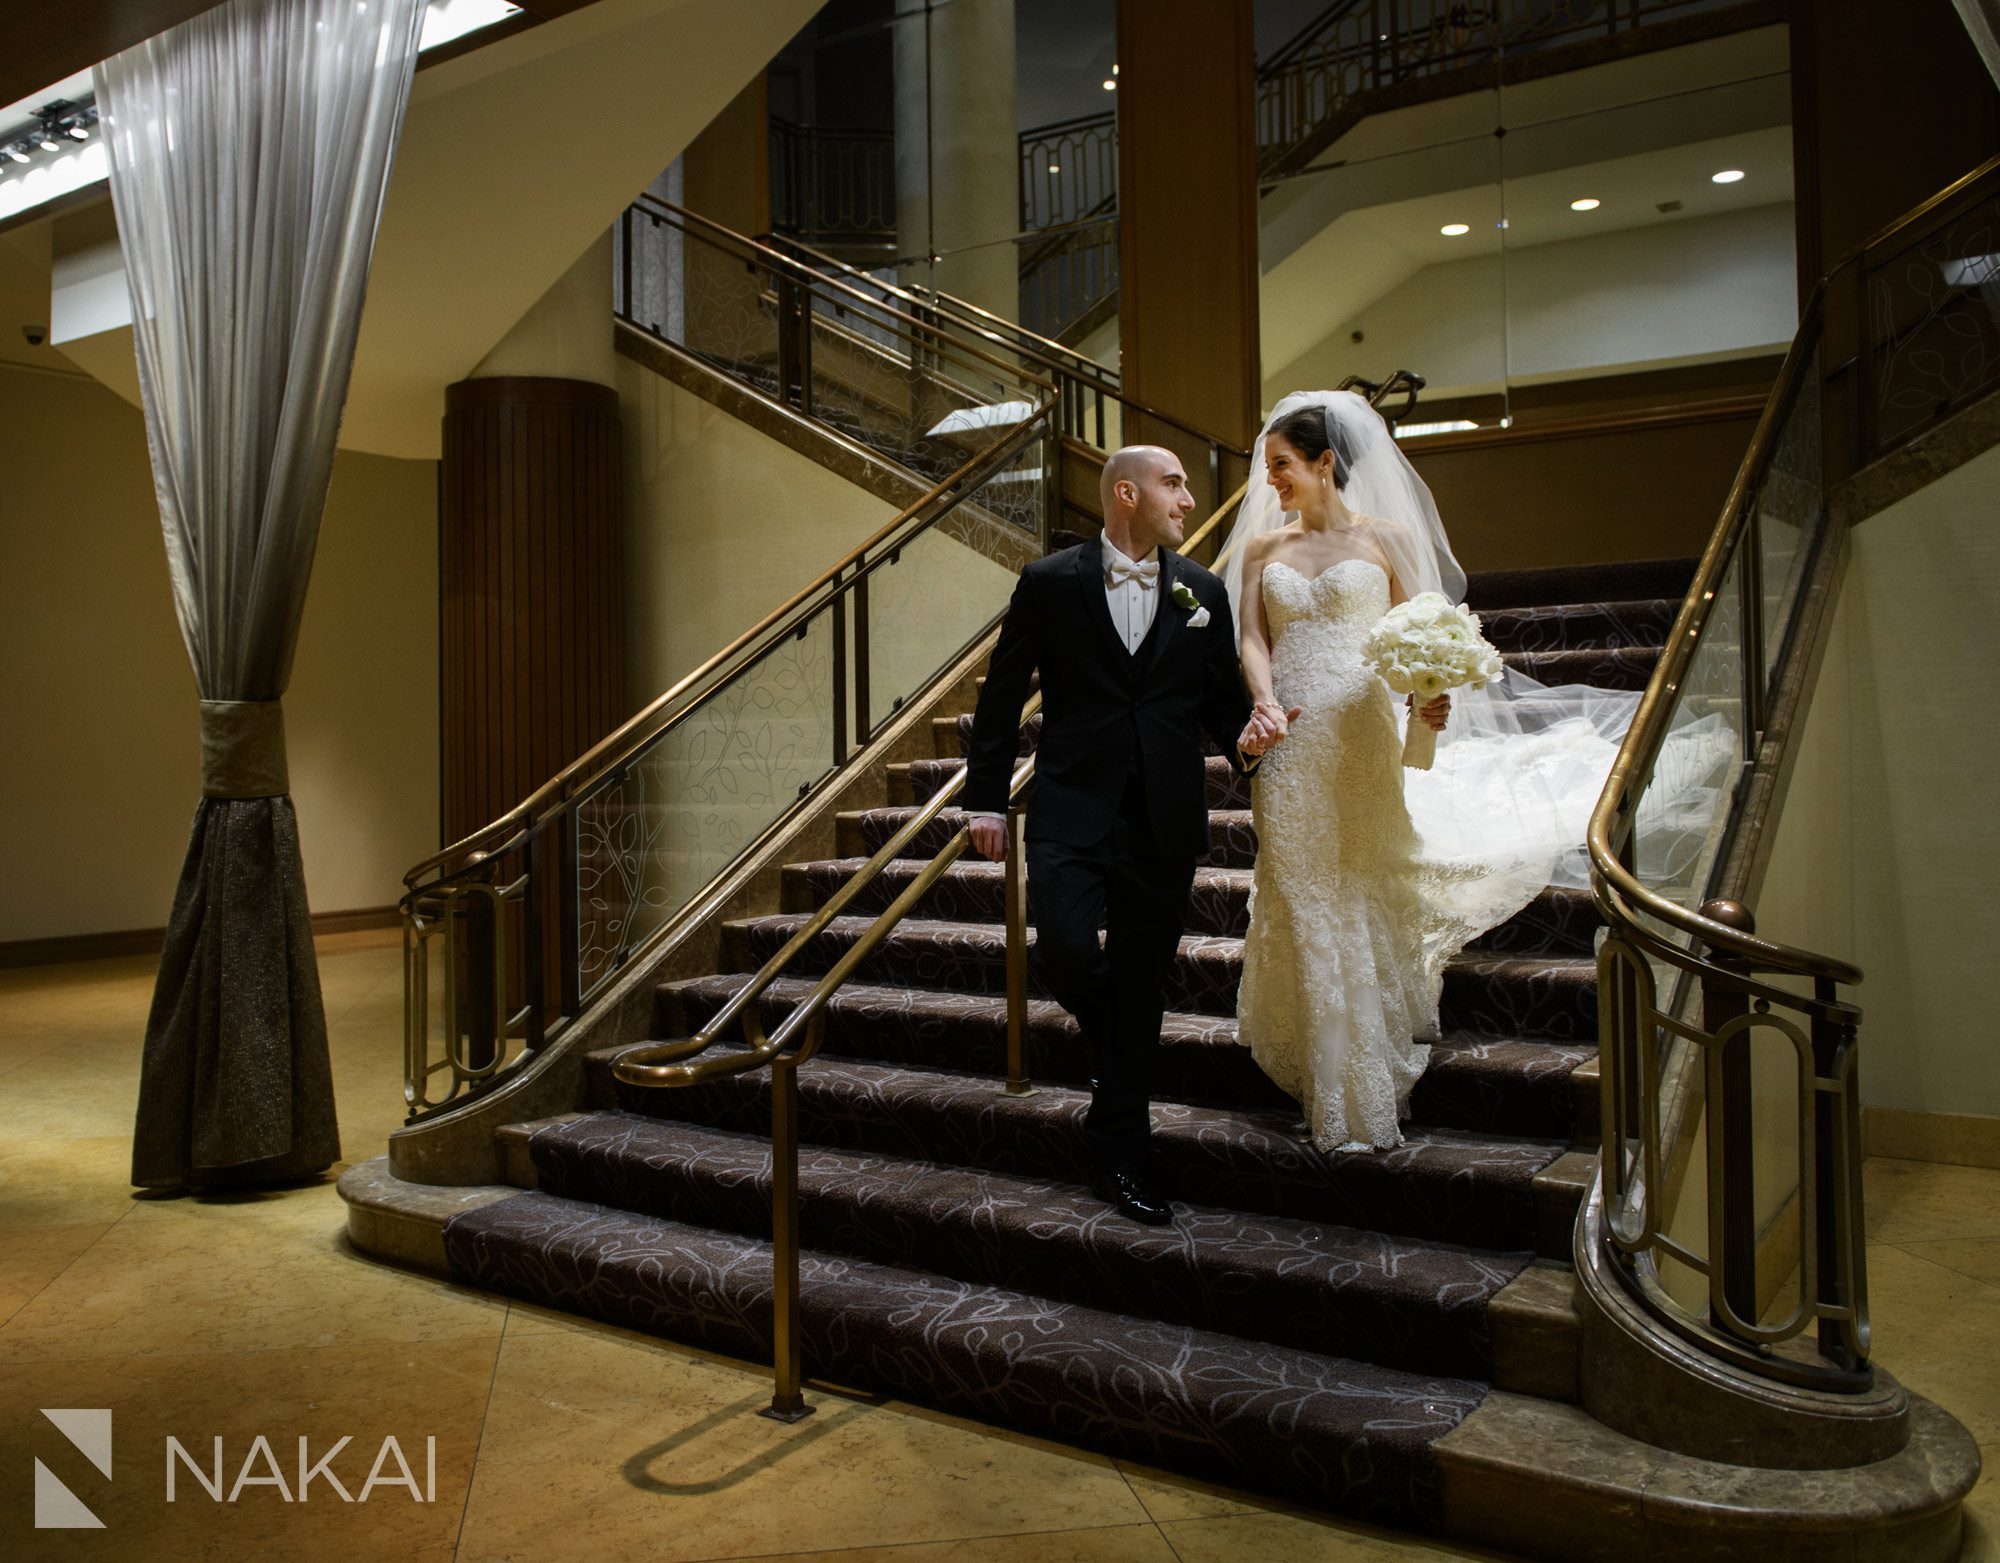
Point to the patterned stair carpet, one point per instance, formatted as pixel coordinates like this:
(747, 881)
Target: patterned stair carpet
(1310, 1326)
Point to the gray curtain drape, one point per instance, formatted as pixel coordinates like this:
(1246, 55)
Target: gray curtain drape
(250, 150)
(1982, 21)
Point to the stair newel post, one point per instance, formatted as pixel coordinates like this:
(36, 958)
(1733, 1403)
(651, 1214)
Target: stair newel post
(1730, 1112)
(1838, 1233)
(1015, 867)
(788, 1401)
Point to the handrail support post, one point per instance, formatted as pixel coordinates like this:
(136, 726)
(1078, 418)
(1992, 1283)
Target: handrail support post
(1015, 868)
(788, 1401)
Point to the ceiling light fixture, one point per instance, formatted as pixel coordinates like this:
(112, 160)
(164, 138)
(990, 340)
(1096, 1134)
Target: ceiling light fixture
(1055, 168)
(1728, 176)
(1589, 203)
(1455, 230)
(1110, 85)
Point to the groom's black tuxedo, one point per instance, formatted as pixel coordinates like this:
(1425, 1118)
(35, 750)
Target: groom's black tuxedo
(1119, 814)
(1110, 717)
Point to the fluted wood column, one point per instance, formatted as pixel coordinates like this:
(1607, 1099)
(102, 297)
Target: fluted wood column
(530, 507)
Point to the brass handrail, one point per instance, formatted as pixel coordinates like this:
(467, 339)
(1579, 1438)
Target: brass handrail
(1614, 884)
(648, 723)
(1649, 723)
(1659, 1055)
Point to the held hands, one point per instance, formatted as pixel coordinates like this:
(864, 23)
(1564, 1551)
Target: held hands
(989, 838)
(1268, 725)
(1434, 714)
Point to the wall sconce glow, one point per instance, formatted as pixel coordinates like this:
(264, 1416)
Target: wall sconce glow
(1728, 176)
(49, 178)
(1589, 203)
(448, 20)
(1455, 230)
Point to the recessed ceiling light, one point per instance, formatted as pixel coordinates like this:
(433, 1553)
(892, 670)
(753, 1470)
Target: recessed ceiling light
(1453, 230)
(1728, 176)
(1589, 203)
(1110, 85)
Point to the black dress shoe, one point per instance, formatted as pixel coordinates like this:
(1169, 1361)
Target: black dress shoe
(1128, 1193)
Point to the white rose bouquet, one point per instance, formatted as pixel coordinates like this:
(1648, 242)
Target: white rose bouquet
(1424, 648)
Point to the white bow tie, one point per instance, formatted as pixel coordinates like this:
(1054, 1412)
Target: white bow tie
(1120, 570)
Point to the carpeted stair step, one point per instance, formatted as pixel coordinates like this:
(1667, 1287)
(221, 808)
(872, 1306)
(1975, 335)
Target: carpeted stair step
(863, 832)
(1625, 667)
(1504, 1086)
(1343, 1435)
(1485, 995)
(1581, 626)
(951, 734)
(1624, 581)
(919, 780)
(1451, 1185)
(1401, 1302)
(1557, 922)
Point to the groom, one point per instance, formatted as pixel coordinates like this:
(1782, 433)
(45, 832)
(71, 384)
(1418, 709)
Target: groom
(1137, 656)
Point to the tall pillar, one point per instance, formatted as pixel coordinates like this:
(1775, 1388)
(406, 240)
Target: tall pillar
(531, 570)
(726, 170)
(958, 179)
(1187, 221)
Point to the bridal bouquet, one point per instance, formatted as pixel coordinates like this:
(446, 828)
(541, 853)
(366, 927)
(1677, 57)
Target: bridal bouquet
(1423, 648)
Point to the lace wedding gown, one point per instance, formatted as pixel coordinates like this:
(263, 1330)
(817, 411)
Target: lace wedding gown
(1351, 918)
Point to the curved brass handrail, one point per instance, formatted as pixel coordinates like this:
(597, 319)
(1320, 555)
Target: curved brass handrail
(1617, 890)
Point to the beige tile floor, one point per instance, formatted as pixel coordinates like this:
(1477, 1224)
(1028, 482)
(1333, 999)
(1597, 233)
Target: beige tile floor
(555, 1438)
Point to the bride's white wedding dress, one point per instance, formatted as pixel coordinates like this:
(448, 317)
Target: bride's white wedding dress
(1353, 912)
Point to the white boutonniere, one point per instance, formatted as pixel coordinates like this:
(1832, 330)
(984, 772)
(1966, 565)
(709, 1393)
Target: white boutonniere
(1183, 598)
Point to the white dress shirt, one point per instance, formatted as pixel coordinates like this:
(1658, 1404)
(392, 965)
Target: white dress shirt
(1132, 591)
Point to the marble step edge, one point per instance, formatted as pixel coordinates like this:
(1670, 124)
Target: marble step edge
(1533, 1474)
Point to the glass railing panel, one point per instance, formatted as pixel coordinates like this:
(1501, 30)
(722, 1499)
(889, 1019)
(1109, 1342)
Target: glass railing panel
(950, 584)
(1933, 325)
(923, 410)
(661, 828)
(1789, 504)
(1684, 808)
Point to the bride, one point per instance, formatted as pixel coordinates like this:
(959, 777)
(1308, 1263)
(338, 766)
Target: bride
(1370, 878)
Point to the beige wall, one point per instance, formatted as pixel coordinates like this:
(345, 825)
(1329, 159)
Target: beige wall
(1889, 844)
(722, 524)
(1705, 289)
(97, 701)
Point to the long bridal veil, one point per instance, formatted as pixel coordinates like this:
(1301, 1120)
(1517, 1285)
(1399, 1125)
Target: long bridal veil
(1505, 807)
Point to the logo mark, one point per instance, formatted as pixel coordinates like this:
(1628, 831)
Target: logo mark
(56, 1507)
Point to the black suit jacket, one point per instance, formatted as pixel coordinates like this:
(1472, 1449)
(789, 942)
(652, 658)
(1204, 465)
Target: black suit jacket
(1108, 714)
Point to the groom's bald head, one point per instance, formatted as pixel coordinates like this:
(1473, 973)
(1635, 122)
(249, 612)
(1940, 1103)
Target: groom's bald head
(1126, 471)
(1146, 499)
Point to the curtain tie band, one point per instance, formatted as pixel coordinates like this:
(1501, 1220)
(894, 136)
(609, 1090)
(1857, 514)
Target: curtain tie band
(243, 749)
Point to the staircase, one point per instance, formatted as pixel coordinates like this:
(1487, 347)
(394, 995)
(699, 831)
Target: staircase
(1312, 1326)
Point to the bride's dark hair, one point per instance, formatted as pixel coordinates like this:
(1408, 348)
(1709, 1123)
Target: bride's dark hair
(1306, 432)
